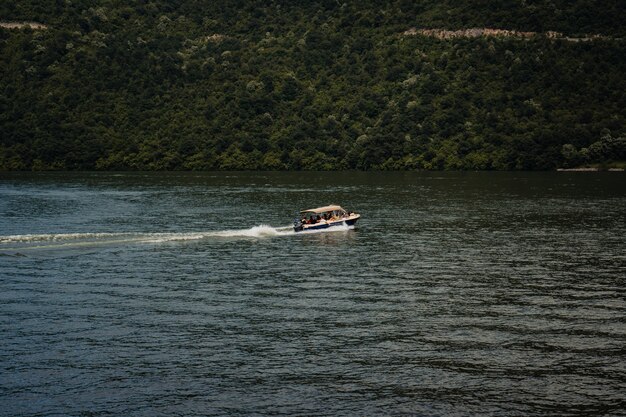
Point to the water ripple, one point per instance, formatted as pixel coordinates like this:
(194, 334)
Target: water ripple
(458, 294)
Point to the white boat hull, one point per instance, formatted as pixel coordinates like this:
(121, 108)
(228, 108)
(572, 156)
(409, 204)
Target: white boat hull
(325, 224)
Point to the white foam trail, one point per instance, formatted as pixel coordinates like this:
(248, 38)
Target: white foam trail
(261, 231)
(256, 231)
(60, 237)
(253, 232)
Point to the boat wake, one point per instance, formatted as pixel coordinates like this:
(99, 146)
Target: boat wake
(88, 239)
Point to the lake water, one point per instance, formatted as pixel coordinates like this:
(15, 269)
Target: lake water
(185, 294)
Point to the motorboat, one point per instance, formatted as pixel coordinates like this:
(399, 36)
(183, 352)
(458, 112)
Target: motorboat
(324, 217)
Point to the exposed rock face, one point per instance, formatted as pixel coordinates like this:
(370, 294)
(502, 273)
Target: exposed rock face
(216, 38)
(501, 33)
(468, 33)
(23, 25)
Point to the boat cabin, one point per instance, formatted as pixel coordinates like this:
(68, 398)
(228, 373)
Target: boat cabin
(327, 213)
(324, 217)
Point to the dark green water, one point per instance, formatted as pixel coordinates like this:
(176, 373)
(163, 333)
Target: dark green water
(187, 294)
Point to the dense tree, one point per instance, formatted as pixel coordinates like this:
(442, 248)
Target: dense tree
(313, 85)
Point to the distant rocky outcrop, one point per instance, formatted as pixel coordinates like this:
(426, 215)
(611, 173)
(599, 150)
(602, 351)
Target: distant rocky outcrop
(468, 33)
(498, 33)
(23, 25)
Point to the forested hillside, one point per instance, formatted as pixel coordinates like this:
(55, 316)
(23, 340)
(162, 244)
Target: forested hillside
(314, 85)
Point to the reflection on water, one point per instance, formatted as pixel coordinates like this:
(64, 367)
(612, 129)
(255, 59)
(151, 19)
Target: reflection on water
(187, 293)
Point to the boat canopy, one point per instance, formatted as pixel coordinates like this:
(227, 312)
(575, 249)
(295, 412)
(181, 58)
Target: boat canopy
(322, 209)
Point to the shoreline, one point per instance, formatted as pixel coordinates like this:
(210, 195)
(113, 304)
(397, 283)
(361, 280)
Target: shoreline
(589, 169)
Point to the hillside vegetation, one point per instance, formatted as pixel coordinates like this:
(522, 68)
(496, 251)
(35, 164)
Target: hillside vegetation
(316, 85)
